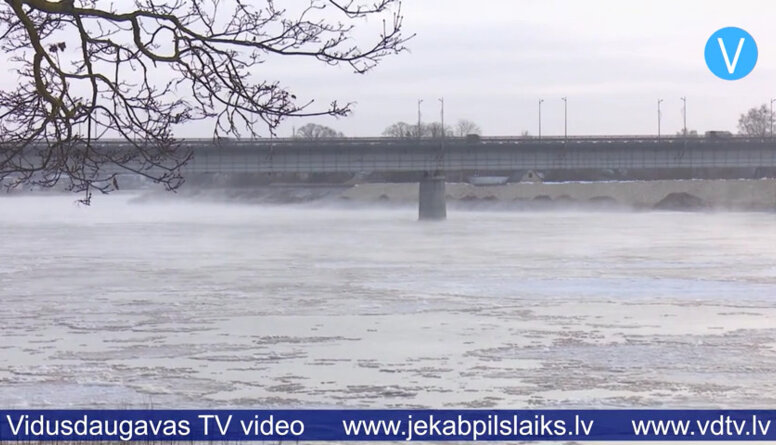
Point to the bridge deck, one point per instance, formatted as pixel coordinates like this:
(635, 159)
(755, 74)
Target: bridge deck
(401, 155)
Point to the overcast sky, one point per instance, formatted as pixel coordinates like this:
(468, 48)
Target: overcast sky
(492, 60)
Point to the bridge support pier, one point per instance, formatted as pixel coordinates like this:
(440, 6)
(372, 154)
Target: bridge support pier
(431, 203)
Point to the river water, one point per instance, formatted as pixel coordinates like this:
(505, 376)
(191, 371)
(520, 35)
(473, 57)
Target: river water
(184, 304)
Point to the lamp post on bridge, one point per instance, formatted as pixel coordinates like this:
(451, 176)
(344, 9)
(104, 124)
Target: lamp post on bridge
(420, 132)
(565, 117)
(442, 112)
(659, 116)
(540, 118)
(684, 114)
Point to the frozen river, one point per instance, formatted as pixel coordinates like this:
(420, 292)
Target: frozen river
(181, 304)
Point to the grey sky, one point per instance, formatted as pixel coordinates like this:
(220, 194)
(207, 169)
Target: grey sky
(492, 60)
(613, 59)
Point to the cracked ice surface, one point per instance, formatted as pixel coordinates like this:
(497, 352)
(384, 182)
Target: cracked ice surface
(182, 304)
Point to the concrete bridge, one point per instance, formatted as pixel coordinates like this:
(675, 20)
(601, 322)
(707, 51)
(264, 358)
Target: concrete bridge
(435, 157)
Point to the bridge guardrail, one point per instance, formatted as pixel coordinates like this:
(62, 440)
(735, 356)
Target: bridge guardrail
(386, 142)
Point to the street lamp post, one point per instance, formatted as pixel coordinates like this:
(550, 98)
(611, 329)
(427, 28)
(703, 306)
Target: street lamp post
(420, 131)
(442, 102)
(659, 116)
(684, 114)
(541, 101)
(565, 117)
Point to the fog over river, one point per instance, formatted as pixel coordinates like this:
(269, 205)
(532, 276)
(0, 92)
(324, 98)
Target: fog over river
(185, 304)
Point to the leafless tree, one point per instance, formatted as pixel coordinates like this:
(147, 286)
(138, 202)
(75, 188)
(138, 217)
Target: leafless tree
(401, 130)
(405, 130)
(135, 70)
(756, 122)
(466, 127)
(315, 131)
(435, 130)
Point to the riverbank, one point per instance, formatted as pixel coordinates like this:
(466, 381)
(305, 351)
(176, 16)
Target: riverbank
(756, 195)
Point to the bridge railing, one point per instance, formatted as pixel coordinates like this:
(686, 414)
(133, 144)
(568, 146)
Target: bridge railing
(385, 139)
(388, 142)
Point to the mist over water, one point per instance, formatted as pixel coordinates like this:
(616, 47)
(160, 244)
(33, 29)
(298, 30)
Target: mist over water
(184, 304)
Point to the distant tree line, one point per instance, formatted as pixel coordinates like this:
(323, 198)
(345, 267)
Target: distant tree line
(462, 128)
(432, 130)
(315, 131)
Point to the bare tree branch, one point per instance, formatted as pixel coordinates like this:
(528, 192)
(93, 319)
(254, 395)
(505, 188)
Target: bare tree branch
(88, 71)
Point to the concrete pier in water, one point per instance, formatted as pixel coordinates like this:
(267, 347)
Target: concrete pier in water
(431, 202)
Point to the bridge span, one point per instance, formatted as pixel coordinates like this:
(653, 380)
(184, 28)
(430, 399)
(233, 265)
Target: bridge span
(435, 157)
(484, 154)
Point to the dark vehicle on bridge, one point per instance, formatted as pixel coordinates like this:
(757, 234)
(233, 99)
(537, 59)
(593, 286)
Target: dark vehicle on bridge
(719, 134)
(474, 138)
